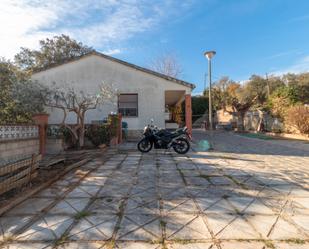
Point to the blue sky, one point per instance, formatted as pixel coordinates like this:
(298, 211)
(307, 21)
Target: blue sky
(250, 36)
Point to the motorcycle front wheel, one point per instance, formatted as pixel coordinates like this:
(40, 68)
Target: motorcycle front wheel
(144, 145)
(181, 146)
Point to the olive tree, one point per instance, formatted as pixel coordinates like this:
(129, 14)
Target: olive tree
(70, 100)
(19, 96)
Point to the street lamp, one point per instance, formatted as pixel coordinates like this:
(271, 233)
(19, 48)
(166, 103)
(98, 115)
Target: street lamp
(209, 55)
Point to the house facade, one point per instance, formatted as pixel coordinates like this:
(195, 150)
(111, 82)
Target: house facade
(142, 94)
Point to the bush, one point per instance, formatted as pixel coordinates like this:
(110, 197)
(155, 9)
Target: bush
(98, 134)
(298, 117)
(280, 101)
(199, 107)
(113, 122)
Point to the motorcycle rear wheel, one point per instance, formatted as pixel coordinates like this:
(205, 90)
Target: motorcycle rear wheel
(181, 146)
(144, 145)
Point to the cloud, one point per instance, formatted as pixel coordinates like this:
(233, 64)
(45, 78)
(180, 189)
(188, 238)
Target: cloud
(285, 53)
(101, 24)
(20, 25)
(300, 66)
(112, 51)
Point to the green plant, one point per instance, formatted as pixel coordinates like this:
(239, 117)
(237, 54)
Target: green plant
(281, 99)
(207, 177)
(269, 244)
(51, 51)
(199, 106)
(98, 134)
(176, 113)
(295, 241)
(20, 98)
(113, 121)
(81, 214)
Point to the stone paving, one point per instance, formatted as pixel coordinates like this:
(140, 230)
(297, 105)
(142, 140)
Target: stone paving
(236, 196)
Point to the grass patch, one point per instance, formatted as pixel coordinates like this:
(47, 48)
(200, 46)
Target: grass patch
(182, 241)
(110, 244)
(182, 176)
(164, 246)
(162, 223)
(295, 241)
(62, 240)
(207, 177)
(228, 157)
(237, 182)
(7, 239)
(257, 135)
(244, 240)
(154, 242)
(82, 214)
(121, 209)
(269, 244)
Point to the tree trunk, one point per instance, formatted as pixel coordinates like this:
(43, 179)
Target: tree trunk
(81, 137)
(241, 118)
(261, 127)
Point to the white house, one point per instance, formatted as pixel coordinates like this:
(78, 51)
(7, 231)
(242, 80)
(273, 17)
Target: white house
(144, 94)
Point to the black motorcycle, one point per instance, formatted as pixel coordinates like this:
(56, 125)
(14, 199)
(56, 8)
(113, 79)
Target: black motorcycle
(163, 139)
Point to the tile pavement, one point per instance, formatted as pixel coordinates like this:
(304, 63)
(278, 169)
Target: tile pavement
(236, 196)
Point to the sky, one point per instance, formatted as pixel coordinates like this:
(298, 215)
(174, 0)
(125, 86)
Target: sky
(249, 36)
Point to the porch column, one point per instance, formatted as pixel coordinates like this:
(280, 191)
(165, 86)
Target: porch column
(41, 120)
(188, 112)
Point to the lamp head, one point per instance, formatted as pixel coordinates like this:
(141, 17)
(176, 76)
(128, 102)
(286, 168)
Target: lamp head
(209, 54)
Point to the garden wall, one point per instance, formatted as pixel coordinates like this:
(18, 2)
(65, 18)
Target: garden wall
(18, 142)
(253, 119)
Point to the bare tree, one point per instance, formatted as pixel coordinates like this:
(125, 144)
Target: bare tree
(69, 100)
(166, 64)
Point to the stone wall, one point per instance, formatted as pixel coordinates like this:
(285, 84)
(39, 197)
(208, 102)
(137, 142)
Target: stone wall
(18, 142)
(54, 145)
(253, 119)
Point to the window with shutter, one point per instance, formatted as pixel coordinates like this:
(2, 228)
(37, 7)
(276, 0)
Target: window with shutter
(128, 105)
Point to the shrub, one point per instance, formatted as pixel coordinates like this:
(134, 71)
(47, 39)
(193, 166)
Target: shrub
(280, 101)
(98, 134)
(298, 117)
(113, 121)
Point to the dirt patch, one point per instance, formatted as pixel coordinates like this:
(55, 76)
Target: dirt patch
(45, 173)
(43, 176)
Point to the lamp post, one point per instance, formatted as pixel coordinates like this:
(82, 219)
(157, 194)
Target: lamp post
(209, 55)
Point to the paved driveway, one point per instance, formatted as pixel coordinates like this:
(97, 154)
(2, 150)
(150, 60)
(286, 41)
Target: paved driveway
(247, 193)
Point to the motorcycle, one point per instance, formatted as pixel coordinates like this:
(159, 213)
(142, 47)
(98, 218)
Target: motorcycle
(163, 139)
